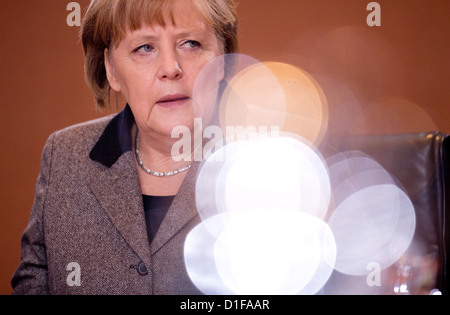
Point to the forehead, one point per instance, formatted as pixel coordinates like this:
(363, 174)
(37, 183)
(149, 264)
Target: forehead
(180, 14)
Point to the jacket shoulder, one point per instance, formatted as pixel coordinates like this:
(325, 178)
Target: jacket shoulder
(82, 136)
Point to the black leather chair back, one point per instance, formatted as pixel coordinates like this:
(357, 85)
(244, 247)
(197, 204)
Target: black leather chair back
(420, 163)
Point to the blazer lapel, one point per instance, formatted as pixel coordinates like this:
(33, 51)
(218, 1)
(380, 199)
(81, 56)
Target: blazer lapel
(118, 192)
(182, 211)
(114, 182)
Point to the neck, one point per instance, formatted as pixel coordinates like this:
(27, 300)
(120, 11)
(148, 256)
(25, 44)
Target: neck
(156, 153)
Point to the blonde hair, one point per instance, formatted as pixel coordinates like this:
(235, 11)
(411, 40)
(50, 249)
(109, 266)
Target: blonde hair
(107, 21)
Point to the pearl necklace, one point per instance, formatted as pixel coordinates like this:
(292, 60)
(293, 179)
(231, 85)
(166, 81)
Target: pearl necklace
(154, 173)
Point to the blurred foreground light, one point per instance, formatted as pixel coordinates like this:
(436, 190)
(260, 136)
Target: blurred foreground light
(278, 173)
(262, 203)
(395, 115)
(276, 217)
(435, 292)
(273, 94)
(283, 172)
(373, 219)
(207, 83)
(269, 252)
(373, 225)
(351, 171)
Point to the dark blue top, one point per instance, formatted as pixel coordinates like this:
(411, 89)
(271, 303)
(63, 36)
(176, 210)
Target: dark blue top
(115, 141)
(155, 208)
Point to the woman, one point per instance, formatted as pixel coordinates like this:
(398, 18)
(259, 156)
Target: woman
(112, 205)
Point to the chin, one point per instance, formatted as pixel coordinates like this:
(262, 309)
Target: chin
(177, 126)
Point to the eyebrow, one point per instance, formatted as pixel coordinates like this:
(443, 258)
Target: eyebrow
(145, 36)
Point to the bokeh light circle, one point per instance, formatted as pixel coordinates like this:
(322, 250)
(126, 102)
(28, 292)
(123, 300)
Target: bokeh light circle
(277, 173)
(373, 225)
(274, 94)
(296, 257)
(283, 172)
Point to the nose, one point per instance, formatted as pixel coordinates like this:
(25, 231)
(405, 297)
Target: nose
(170, 68)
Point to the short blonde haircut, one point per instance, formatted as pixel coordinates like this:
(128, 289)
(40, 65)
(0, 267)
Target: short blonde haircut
(107, 21)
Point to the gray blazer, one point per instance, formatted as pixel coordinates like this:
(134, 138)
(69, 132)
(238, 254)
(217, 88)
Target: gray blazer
(88, 210)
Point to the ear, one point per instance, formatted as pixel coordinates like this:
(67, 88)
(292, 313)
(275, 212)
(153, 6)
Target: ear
(111, 72)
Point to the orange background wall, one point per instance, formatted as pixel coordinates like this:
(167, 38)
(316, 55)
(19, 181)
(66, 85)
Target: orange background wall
(399, 74)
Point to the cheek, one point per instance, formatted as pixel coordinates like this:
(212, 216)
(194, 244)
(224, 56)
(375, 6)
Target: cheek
(206, 88)
(137, 86)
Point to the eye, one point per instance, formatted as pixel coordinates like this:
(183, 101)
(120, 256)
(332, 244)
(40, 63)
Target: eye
(144, 49)
(191, 44)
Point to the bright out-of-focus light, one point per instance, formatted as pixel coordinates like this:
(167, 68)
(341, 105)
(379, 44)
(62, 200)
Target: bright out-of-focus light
(435, 292)
(395, 115)
(210, 184)
(243, 103)
(276, 217)
(252, 260)
(271, 252)
(262, 203)
(373, 219)
(351, 171)
(199, 255)
(274, 94)
(373, 225)
(343, 106)
(277, 173)
(283, 172)
(269, 226)
(208, 84)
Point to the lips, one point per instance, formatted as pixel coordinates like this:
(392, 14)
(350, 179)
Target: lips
(173, 100)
